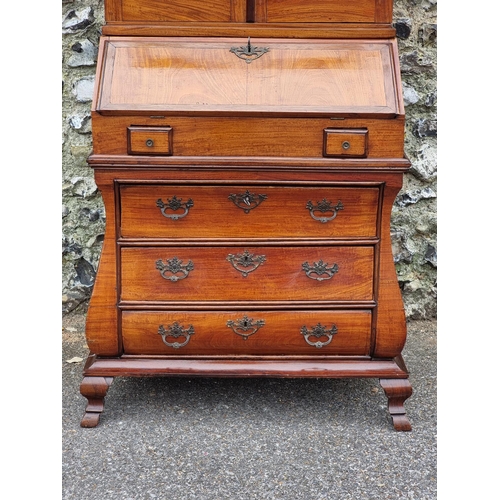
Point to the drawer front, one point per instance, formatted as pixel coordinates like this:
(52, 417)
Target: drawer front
(169, 211)
(149, 140)
(253, 333)
(345, 143)
(322, 273)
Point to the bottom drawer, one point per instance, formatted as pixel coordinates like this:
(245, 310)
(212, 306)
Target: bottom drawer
(251, 333)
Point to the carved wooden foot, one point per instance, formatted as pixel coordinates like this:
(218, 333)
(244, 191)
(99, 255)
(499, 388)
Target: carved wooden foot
(94, 389)
(397, 392)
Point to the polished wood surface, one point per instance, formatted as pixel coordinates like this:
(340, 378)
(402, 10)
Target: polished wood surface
(173, 75)
(248, 203)
(279, 274)
(179, 10)
(345, 143)
(249, 211)
(149, 140)
(325, 11)
(280, 333)
(255, 11)
(248, 137)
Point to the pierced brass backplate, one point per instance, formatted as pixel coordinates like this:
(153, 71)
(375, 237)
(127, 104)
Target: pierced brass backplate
(249, 52)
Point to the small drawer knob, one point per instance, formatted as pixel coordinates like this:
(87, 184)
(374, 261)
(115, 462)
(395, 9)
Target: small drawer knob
(346, 145)
(149, 143)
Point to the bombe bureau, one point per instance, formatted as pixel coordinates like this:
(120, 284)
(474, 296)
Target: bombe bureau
(248, 154)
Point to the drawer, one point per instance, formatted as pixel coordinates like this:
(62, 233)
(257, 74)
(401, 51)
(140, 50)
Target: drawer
(265, 273)
(262, 211)
(348, 143)
(252, 333)
(149, 140)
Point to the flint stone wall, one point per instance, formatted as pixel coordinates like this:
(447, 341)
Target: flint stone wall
(414, 222)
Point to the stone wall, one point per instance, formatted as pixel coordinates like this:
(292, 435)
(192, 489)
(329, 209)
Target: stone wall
(414, 224)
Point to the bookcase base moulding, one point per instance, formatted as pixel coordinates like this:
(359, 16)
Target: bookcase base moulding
(248, 183)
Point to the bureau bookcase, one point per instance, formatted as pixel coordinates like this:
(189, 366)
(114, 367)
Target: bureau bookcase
(248, 154)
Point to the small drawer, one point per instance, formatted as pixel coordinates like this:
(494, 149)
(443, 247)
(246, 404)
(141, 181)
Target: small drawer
(150, 141)
(250, 274)
(345, 143)
(309, 333)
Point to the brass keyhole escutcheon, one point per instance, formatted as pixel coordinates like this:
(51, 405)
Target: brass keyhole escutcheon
(149, 143)
(346, 145)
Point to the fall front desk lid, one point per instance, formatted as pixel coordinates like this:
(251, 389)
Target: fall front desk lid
(258, 77)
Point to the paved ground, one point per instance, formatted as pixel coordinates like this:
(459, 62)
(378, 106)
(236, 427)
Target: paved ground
(245, 439)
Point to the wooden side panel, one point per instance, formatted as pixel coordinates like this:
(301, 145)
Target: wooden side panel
(113, 10)
(390, 321)
(101, 328)
(277, 333)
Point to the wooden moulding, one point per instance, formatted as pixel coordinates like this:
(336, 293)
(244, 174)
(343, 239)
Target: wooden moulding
(272, 30)
(137, 366)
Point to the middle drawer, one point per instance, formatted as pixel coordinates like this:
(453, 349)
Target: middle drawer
(258, 211)
(263, 273)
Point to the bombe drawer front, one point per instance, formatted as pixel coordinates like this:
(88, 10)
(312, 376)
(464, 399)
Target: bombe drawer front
(171, 274)
(248, 211)
(309, 333)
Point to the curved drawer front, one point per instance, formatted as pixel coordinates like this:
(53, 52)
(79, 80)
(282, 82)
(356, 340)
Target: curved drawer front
(321, 273)
(169, 211)
(253, 333)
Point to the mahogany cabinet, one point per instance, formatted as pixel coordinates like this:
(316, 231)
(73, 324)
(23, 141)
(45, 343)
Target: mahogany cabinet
(248, 154)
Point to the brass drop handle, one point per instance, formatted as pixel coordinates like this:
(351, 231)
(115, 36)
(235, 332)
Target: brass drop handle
(318, 331)
(320, 271)
(324, 207)
(174, 204)
(245, 326)
(175, 331)
(173, 270)
(150, 143)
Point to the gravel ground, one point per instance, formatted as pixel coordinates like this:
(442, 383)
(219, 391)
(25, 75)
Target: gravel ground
(244, 439)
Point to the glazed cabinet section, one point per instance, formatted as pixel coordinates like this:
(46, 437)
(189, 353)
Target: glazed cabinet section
(294, 263)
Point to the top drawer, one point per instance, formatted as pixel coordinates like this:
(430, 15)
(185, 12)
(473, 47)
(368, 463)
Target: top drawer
(247, 211)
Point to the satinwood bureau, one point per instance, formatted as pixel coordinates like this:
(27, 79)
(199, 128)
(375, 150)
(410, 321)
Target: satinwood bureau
(248, 154)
